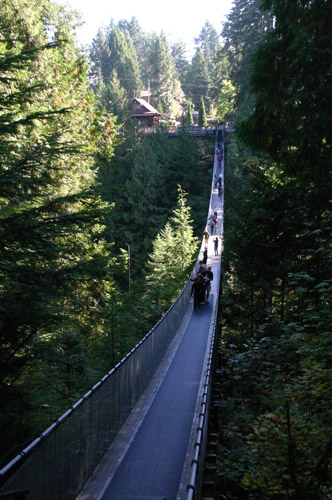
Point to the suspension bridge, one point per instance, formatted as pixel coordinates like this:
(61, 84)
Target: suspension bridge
(141, 432)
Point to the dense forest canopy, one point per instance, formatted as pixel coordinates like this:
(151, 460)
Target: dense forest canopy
(276, 405)
(84, 204)
(90, 212)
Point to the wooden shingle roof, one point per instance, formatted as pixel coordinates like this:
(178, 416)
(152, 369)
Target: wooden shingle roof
(145, 108)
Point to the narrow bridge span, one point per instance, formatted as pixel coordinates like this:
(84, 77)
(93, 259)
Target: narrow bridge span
(140, 433)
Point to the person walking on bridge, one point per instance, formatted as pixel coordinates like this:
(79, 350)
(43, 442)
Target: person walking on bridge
(216, 244)
(208, 277)
(205, 255)
(206, 235)
(202, 267)
(197, 290)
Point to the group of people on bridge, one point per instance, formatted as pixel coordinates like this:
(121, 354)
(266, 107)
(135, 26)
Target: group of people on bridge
(219, 153)
(201, 286)
(201, 283)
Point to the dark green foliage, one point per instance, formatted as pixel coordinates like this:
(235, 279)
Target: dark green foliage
(202, 114)
(167, 95)
(209, 42)
(113, 56)
(143, 180)
(171, 262)
(277, 319)
(181, 62)
(275, 413)
(188, 117)
(244, 30)
(141, 43)
(292, 111)
(54, 263)
(124, 60)
(144, 191)
(197, 79)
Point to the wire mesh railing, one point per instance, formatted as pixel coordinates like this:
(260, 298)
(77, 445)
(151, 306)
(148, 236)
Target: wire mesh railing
(60, 461)
(57, 464)
(196, 457)
(195, 462)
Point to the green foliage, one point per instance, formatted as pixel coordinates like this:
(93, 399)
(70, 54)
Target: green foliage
(165, 85)
(113, 56)
(54, 263)
(186, 244)
(188, 117)
(123, 59)
(170, 264)
(142, 180)
(160, 280)
(182, 65)
(209, 43)
(275, 413)
(197, 79)
(243, 32)
(143, 192)
(289, 121)
(202, 114)
(226, 100)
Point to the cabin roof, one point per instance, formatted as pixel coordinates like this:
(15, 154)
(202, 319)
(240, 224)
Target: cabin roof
(144, 104)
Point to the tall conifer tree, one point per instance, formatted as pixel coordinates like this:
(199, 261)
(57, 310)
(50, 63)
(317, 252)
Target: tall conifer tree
(54, 263)
(202, 114)
(165, 84)
(171, 262)
(197, 79)
(123, 59)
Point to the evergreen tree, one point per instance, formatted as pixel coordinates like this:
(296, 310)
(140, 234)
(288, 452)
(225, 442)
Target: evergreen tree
(226, 100)
(55, 264)
(144, 193)
(140, 41)
(202, 114)
(185, 243)
(99, 58)
(113, 98)
(123, 59)
(244, 30)
(285, 224)
(172, 259)
(189, 120)
(289, 121)
(289, 129)
(209, 42)
(160, 279)
(165, 85)
(181, 63)
(197, 79)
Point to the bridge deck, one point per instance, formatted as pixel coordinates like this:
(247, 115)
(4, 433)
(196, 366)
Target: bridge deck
(146, 462)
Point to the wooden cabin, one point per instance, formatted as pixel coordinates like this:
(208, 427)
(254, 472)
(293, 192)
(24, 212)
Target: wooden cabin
(146, 116)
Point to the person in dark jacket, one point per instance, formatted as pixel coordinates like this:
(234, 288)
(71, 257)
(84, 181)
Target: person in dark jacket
(197, 290)
(208, 277)
(206, 235)
(205, 255)
(216, 243)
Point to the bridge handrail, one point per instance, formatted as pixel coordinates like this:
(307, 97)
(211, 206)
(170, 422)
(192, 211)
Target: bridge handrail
(64, 456)
(195, 462)
(194, 466)
(127, 381)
